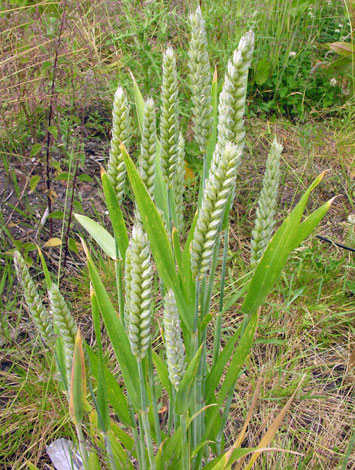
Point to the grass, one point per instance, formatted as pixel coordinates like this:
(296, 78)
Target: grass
(307, 326)
(32, 413)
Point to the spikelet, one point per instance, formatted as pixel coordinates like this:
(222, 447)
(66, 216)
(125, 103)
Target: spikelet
(139, 302)
(38, 311)
(148, 147)
(215, 196)
(128, 281)
(174, 345)
(169, 125)
(264, 222)
(179, 185)
(65, 323)
(200, 80)
(120, 134)
(232, 98)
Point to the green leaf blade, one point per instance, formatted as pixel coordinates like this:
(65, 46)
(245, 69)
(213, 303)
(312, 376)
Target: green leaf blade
(102, 237)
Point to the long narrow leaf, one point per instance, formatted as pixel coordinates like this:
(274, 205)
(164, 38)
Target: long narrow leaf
(101, 402)
(235, 366)
(185, 273)
(160, 191)
(126, 440)
(116, 217)
(311, 222)
(177, 248)
(224, 461)
(214, 377)
(77, 396)
(115, 396)
(184, 393)
(139, 103)
(287, 237)
(99, 234)
(268, 436)
(45, 268)
(121, 458)
(171, 451)
(238, 359)
(163, 372)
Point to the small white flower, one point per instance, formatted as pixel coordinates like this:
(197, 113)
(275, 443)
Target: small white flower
(332, 81)
(340, 25)
(337, 30)
(292, 54)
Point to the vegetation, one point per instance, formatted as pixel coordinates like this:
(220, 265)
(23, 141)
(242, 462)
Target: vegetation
(291, 361)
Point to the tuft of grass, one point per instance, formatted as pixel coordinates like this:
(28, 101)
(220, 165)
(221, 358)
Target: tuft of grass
(31, 404)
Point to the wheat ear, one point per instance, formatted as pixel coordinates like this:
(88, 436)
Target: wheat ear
(174, 345)
(120, 134)
(232, 98)
(169, 125)
(65, 323)
(200, 80)
(38, 311)
(139, 275)
(215, 196)
(264, 221)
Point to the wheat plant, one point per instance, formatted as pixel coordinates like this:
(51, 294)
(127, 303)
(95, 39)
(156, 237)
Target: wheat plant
(171, 360)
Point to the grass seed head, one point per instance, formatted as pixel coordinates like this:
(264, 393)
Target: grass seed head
(179, 186)
(169, 124)
(232, 98)
(148, 147)
(139, 274)
(175, 349)
(200, 80)
(38, 311)
(65, 323)
(264, 222)
(215, 196)
(120, 135)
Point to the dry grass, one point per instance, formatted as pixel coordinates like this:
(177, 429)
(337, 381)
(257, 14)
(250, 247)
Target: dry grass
(32, 407)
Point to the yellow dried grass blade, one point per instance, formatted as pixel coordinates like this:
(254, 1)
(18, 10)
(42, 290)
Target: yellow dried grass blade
(240, 438)
(269, 435)
(77, 398)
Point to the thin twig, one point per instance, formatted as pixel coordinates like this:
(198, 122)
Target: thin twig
(50, 115)
(335, 243)
(70, 214)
